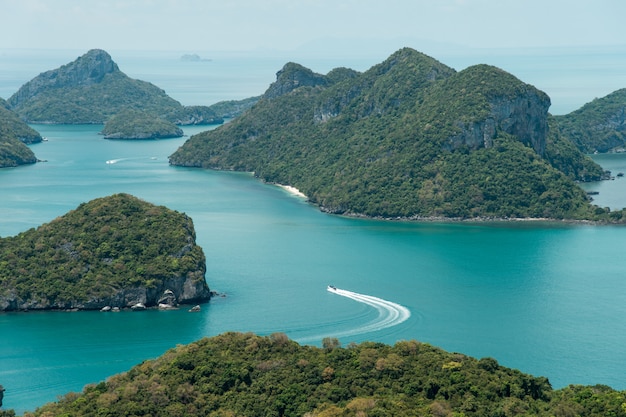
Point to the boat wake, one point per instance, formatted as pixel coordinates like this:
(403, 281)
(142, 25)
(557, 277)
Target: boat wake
(389, 313)
(115, 161)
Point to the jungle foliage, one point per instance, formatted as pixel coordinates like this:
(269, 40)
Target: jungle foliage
(14, 134)
(107, 244)
(379, 144)
(237, 374)
(598, 126)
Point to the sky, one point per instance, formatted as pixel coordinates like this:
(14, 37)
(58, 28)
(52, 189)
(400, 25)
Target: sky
(317, 25)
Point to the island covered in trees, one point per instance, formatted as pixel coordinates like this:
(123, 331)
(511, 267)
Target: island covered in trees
(410, 138)
(117, 251)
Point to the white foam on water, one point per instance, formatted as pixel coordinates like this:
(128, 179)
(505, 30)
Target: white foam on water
(389, 314)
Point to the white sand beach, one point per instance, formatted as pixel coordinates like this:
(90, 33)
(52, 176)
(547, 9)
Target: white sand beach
(292, 190)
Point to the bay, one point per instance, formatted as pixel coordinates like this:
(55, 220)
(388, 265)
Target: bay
(545, 298)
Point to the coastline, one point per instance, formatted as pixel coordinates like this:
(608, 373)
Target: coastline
(292, 190)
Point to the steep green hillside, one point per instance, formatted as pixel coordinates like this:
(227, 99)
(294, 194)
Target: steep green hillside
(112, 251)
(409, 138)
(14, 134)
(598, 126)
(246, 375)
(91, 89)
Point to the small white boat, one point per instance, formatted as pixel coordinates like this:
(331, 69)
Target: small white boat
(331, 288)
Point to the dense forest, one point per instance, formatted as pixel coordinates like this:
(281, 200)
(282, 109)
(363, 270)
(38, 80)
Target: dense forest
(14, 135)
(409, 138)
(237, 374)
(115, 251)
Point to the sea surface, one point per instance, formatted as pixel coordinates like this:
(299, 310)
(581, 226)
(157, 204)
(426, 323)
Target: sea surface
(546, 298)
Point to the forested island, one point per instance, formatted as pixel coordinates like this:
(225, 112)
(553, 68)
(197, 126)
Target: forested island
(410, 138)
(116, 251)
(237, 374)
(92, 89)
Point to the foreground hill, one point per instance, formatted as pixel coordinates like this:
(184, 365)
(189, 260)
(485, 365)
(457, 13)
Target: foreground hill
(409, 138)
(91, 89)
(14, 135)
(115, 251)
(246, 375)
(598, 126)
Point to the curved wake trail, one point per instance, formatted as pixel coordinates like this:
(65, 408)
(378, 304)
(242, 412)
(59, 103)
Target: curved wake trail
(115, 161)
(389, 313)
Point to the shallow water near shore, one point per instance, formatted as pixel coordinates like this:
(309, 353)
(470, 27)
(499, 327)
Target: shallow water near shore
(546, 298)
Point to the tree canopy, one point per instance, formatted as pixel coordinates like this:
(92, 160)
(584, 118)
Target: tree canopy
(238, 374)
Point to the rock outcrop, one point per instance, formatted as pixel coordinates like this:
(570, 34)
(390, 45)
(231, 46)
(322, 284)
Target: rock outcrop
(525, 117)
(293, 76)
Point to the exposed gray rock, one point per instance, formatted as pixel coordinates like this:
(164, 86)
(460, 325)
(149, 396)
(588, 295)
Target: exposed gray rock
(168, 298)
(293, 76)
(525, 117)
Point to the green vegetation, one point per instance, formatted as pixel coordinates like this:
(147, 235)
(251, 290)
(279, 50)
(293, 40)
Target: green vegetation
(13, 152)
(409, 138)
(599, 125)
(14, 134)
(93, 255)
(9, 121)
(95, 103)
(132, 124)
(232, 108)
(246, 375)
(92, 89)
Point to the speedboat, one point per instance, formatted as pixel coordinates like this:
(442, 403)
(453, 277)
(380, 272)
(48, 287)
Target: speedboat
(331, 288)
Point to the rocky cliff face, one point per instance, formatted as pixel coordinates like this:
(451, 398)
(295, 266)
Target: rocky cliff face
(186, 290)
(292, 76)
(86, 70)
(523, 114)
(525, 117)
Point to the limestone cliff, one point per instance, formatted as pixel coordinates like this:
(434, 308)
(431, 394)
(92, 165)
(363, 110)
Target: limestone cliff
(293, 76)
(519, 110)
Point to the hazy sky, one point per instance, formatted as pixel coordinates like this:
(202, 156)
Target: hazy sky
(286, 25)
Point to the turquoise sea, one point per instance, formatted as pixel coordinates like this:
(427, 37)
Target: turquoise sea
(546, 298)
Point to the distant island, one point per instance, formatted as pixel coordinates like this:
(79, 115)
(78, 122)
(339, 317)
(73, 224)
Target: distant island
(410, 138)
(116, 251)
(92, 89)
(242, 374)
(193, 58)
